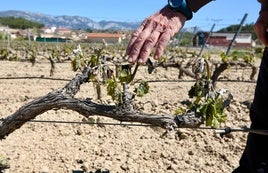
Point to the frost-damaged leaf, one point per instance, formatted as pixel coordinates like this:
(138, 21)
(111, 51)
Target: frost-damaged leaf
(76, 64)
(150, 66)
(197, 90)
(125, 73)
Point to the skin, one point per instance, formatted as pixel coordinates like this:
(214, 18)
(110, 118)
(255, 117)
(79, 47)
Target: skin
(261, 27)
(156, 30)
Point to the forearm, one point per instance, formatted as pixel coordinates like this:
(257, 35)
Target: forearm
(195, 5)
(264, 5)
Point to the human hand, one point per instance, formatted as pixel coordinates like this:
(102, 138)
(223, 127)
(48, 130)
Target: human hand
(157, 29)
(261, 27)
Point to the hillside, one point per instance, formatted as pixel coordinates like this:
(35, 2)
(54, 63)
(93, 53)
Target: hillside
(22, 23)
(73, 22)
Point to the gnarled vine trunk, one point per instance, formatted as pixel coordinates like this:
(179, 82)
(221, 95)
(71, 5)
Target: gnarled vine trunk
(64, 99)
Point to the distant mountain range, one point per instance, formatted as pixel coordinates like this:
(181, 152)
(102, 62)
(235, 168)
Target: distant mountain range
(73, 22)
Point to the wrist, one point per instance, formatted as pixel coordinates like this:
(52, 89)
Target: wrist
(182, 7)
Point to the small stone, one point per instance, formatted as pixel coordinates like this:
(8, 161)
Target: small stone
(85, 168)
(124, 167)
(191, 152)
(79, 132)
(44, 169)
(183, 136)
(79, 161)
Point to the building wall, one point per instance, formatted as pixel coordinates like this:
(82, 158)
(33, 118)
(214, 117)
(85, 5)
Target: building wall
(243, 40)
(100, 40)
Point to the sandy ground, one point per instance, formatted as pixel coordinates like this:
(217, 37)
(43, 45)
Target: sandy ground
(45, 147)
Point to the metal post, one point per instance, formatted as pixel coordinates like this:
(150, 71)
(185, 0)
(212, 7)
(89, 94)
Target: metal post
(237, 32)
(203, 46)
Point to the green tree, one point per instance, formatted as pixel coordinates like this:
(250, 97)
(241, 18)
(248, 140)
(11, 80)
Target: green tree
(19, 23)
(246, 28)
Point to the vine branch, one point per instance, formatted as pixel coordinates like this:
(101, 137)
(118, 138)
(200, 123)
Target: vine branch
(64, 99)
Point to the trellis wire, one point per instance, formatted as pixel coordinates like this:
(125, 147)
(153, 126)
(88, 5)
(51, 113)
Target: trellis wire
(150, 81)
(221, 131)
(81, 122)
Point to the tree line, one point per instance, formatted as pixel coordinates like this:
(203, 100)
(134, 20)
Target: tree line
(19, 23)
(246, 28)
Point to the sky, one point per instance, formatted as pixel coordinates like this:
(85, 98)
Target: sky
(222, 13)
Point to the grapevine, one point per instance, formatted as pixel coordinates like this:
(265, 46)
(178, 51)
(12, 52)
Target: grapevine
(116, 85)
(208, 103)
(114, 73)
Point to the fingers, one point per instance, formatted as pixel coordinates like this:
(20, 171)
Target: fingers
(157, 29)
(162, 43)
(142, 45)
(170, 31)
(149, 44)
(138, 40)
(134, 37)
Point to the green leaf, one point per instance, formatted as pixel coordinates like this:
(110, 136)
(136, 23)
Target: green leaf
(215, 123)
(142, 89)
(4, 164)
(202, 109)
(94, 60)
(223, 57)
(91, 121)
(114, 91)
(214, 113)
(180, 111)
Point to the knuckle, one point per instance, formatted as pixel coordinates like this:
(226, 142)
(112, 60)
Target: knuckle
(165, 37)
(150, 41)
(163, 40)
(144, 53)
(160, 49)
(135, 50)
(140, 38)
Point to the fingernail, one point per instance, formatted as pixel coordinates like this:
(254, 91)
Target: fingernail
(130, 60)
(140, 61)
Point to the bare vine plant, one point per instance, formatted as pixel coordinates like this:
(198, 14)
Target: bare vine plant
(208, 105)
